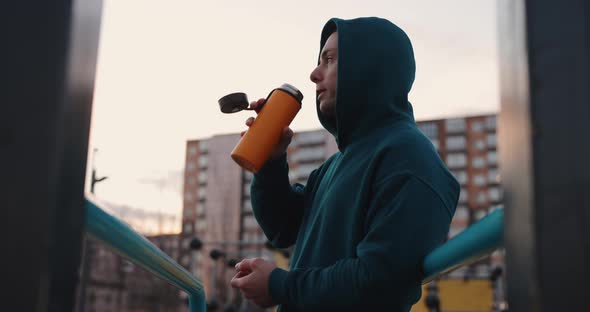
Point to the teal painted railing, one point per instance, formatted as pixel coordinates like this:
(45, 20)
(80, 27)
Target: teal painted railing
(133, 246)
(476, 241)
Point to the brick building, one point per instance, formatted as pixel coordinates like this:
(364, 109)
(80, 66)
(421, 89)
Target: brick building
(115, 284)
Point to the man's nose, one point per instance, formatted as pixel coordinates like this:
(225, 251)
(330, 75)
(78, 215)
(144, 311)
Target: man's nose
(315, 75)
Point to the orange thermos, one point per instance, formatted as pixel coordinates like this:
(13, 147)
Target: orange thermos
(255, 147)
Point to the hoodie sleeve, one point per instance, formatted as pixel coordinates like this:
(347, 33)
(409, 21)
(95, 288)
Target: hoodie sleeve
(406, 219)
(278, 206)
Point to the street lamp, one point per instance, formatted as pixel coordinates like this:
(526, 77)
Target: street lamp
(196, 244)
(216, 255)
(496, 278)
(272, 248)
(432, 300)
(231, 263)
(88, 246)
(94, 179)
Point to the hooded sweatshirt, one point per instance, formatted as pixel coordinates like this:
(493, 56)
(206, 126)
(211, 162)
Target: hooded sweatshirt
(368, 216)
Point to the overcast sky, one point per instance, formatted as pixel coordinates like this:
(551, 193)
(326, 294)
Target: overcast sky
(164, 64)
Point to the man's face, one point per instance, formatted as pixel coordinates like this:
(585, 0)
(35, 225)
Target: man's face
(325, 76)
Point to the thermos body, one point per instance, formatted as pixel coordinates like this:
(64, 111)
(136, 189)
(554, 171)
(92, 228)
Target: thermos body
(255, 147)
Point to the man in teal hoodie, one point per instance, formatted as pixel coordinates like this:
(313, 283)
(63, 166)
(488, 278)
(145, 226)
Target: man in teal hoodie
(368, 215)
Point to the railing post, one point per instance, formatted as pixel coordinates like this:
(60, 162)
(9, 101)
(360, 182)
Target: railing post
(196, 304)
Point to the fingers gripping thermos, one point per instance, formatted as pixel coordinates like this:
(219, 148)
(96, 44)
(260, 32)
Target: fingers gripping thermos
(257, 144)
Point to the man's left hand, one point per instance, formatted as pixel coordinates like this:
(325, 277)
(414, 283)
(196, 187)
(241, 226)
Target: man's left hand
(252, 280)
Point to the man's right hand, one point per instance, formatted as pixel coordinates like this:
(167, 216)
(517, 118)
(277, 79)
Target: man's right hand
(286, 136)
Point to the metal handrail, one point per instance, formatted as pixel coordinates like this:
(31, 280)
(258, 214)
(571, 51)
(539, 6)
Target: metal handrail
(125, 241)
(478, 240)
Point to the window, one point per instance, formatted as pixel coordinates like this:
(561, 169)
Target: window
(250, 222)
(495, 207)
(461, 176)
(460, 272)
(200, 208)
(455, 125)
(201, 224)
(492, 158)
(246, 191)
(481, 198)
(190, 166)
(203, 162)
(186, 243)
(495, 194)
(248, 176)
(311, 137)
(246, 237)
(253, 237)
(477, 126)
(461, 213)
(262, 237)
(456, 160)
(478, 162)
(453, 231)
(204, 146)
(479, 145)
(480, 214)
(247, 205)
(463, 196)
(185, 260)
(303, 170)
(202, 177)
(479, 180)
(491, 138)
(430, 129)
(198, 256)
(491, 123)
(482, 271)
(191, 180)
(455, 143)
(308, 154)
(187, 213)
(188, 227)
(192, 151)
(493, 176)
(435, 143)
(202, 193)
(188, 196)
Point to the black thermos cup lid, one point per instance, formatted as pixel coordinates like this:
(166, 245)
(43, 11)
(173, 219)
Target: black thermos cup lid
(233, 102)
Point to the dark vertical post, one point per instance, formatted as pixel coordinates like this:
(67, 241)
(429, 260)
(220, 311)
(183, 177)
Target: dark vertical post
(48, 59)
(544, 150)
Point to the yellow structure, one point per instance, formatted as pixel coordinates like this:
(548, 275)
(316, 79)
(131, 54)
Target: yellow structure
(455, 295)
(282, 262)
(460, 295)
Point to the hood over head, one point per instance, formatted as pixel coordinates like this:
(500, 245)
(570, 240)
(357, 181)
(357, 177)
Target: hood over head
(376, 70)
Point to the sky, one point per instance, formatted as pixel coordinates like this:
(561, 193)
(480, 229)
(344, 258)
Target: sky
(162, 66)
